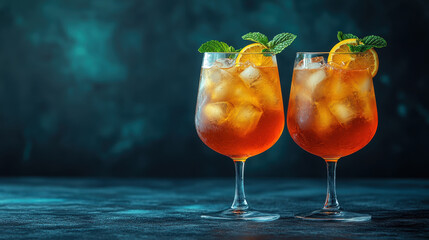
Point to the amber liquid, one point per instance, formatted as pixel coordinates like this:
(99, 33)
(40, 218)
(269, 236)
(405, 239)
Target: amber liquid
(239, 112)
(332, 112)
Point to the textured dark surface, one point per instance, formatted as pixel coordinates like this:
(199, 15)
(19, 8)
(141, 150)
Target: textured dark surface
(109, 87)
(55, 208)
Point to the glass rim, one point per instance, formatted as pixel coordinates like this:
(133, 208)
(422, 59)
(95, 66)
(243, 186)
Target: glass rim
(320, 53)
(270, 53)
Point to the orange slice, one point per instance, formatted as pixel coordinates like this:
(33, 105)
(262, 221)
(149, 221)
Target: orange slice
(257, 59)
(366, 60)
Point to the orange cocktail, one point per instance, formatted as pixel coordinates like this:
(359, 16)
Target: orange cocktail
(332, 111)
(240, 109)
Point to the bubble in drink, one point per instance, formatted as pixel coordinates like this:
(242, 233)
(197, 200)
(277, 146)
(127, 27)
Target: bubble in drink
(244, 118)
(217, 112)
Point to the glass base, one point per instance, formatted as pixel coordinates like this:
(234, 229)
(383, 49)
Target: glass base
(248, 215)
(341, 216)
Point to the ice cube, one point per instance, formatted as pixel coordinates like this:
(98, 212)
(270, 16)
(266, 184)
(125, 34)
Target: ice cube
(314, 79)
(249, 75)
(244, 118)
(299, 77)
(367, 105)
(227, 90)
(220, 91)
(268, 94)
(224, 62)
(324, 119)
(219, 84)
(216, 74)
(217, 112)
(241, 94)
(365, 99)
(311, 63)
(304, 113)
(209, 77)
(336, 88)
(303, 97)
(303, 103)
(342, 111)
(363, 85)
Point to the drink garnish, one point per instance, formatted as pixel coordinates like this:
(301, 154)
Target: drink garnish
(362, 44)
(275, 46)
(366, 57)
(216, 46)
(257, 59)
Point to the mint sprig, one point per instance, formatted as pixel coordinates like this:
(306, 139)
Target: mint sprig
(256, 37)
(343, 36)
(216, 46)
(362, 44)
(276, 45)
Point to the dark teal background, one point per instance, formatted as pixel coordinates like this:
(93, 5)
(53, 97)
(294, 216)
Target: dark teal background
(108, 88)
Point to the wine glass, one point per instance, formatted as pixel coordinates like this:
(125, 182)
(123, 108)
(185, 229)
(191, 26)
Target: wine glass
(332, 113)
(239, 114)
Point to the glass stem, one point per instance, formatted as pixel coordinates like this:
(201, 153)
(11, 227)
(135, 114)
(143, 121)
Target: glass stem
(331, 203)
(240, 202)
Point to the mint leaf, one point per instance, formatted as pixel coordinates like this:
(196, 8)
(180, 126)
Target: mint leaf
(280, 42)
(343, 36)
(374, 41)
(276, 45)
(359, 48)
(256, 37)
(340, 36)
(283, 39)
(215, 46)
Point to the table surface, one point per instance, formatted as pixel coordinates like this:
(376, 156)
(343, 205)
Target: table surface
(58, 208)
